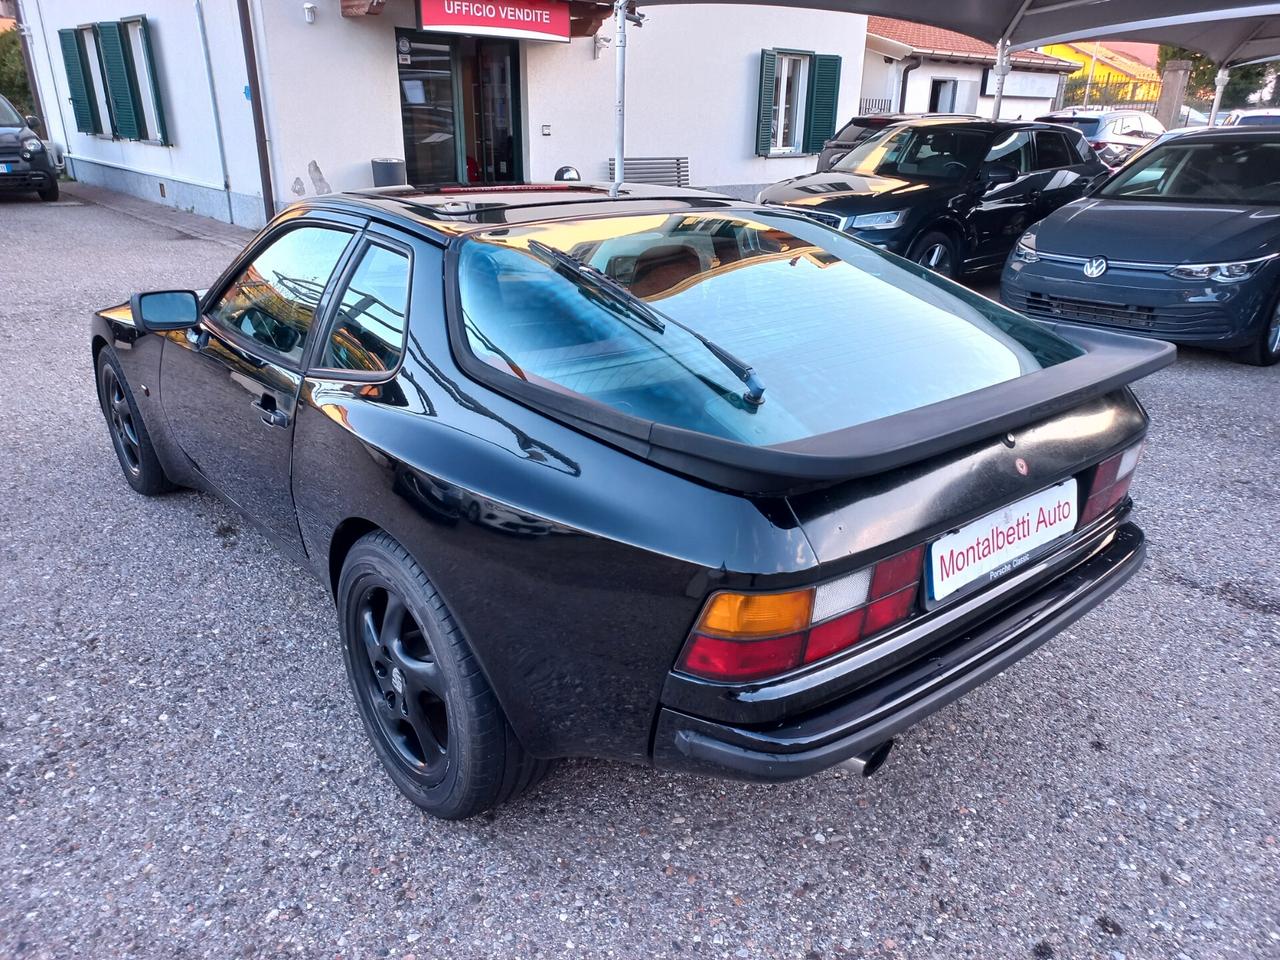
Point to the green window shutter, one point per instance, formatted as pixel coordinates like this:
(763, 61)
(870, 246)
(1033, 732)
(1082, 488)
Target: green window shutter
(161, 134)
(824, 94)
(83, 103)
(764, 117)
(122, 90)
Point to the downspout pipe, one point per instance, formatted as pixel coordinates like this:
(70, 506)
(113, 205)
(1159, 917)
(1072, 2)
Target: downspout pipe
(911, 64)
(213, 106)
(255, 102)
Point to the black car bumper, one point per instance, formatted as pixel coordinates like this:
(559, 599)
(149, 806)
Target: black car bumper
(1143, 302)
(879, 710)
(23, 176)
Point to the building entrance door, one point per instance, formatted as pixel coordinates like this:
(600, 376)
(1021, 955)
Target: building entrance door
(460, 106)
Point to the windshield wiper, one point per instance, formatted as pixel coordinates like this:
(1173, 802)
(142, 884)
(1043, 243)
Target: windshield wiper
(651, 317)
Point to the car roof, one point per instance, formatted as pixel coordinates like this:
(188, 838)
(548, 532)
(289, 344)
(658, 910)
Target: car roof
(1210, 134)
(447, 211)
(1258, 112)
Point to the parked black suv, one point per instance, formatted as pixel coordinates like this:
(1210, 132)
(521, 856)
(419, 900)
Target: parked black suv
(952, 194)
(26, 165)
(865, 127)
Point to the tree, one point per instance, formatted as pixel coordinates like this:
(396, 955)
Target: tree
(13, 72)
(1244, 82)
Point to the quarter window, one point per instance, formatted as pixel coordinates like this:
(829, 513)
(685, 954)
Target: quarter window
(274, 300)
(368, 333)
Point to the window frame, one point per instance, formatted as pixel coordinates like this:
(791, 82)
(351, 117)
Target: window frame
(368, 238)
(150, 91)
(95, 76)
(256, 348)
(805, 58)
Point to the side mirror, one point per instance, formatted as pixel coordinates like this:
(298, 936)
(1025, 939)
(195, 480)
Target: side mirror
(33, 122)
(165, 310)
(998, 174)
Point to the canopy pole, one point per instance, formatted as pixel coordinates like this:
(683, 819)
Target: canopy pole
(1001, 70)
(1220, 84)
(620, 92)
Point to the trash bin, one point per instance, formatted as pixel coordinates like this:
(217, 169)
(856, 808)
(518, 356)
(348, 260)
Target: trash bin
(388, 172)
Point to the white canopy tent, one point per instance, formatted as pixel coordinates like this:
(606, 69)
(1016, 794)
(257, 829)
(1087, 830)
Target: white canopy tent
(1230, 32)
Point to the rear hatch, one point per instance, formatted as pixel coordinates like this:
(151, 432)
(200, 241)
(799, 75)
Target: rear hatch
(758, 351)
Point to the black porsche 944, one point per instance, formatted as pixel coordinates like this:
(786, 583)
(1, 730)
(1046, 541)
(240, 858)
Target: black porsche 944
(650, 475)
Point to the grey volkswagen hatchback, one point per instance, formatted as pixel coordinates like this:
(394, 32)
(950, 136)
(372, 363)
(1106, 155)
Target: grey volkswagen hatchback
(1182, 244)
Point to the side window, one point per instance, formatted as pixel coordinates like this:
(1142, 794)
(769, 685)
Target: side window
(1013, 149)
(368, 331)
(275, 299)
(1052, 150)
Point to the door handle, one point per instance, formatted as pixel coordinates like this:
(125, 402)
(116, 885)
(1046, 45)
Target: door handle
(272, 416)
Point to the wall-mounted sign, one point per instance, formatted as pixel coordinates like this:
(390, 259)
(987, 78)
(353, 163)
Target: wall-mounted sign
(521, 19)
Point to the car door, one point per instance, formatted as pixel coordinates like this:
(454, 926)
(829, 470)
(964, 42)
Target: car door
(1001, 213)
(1064, 171)
(230, 384)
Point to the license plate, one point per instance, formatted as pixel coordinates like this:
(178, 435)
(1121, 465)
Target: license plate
(999, 543)
(6, 168)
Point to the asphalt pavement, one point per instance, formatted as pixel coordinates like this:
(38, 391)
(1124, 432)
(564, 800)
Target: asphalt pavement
(184, 774)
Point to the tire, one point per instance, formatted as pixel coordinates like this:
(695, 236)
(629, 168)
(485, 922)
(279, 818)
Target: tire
(433, 720)
(49, 193)
(128, 432)
(937, 251)
(1265, 351)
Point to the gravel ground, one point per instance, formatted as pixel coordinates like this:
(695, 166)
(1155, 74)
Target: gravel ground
(185, 776)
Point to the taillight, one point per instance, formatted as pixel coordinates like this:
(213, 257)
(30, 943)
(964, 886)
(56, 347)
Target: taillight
(1111, 479)
(746, 636)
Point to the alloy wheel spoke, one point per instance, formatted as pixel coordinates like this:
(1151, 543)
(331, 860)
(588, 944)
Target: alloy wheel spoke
(423, 675)
(392, 622)
(369, 634)
(119, 403)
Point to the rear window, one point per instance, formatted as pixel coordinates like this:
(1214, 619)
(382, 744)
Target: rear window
(1259, 120)
(670, 309)
(1086, 125)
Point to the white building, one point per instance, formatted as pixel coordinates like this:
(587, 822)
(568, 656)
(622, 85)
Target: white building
(162, 105)
(913, 68)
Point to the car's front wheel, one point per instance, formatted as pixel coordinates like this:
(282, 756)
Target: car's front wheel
(1265, 351)
(129, 434)
(49, 193)
(431, 715)
(937, 251)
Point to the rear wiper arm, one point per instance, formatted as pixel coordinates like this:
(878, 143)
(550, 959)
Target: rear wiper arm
(658, 321)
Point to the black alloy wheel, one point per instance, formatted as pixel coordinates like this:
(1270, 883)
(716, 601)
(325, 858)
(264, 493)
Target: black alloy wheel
(403, 681)
(936, 251)
(430, 713)
(129, 434)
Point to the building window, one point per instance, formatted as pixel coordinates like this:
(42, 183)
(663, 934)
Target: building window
(111, 76)
(798, 99)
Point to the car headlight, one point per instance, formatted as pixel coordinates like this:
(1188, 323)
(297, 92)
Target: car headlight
(1231, 271)
(878, 221)
(32, 145)
(1025, 250)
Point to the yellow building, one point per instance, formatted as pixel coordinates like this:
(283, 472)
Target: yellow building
(1116, 75)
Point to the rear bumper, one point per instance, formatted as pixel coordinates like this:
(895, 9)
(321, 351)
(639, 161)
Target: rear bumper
(798, 747)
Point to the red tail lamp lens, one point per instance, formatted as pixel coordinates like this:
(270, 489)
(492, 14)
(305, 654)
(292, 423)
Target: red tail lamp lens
(808, 625)
(1110, 484)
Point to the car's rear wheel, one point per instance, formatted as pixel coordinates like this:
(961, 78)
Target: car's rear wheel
(128, 432)
(49, 193)
(937, 251)
(1265, 351)
(431, 715)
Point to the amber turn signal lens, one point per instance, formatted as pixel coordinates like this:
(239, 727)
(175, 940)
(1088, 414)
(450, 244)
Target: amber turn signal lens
(756, 614)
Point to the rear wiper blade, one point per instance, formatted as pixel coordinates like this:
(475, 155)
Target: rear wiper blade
(653, 318)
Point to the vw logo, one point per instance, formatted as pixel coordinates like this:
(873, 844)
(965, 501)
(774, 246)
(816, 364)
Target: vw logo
(1095, 267)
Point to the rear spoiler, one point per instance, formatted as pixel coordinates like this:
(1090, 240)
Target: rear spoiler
(1110, 362)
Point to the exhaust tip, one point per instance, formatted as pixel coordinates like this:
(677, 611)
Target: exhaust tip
(874, 758)
(866, 763)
